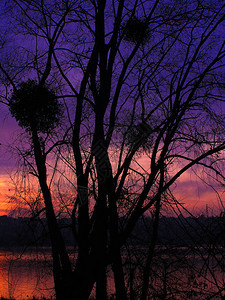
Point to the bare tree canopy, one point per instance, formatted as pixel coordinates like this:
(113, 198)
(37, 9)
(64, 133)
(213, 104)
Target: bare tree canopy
(142, 85)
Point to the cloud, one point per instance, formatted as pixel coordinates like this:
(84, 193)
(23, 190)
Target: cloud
(198, 196)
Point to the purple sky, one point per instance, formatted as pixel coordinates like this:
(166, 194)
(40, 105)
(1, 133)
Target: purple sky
(189, 189)
(8, 129)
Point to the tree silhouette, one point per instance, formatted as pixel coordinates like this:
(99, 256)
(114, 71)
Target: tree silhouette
(36, 109)
(142, 86)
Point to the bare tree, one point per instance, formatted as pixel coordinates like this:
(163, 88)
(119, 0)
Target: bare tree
(142, 84)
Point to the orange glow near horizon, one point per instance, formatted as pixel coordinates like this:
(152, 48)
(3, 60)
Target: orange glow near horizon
(189, 190)
(5, 192)
(196, 196)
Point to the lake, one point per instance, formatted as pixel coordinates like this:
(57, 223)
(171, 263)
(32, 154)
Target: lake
(22, 277)
(180, 274)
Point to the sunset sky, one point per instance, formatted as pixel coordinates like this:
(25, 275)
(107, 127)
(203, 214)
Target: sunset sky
(189, 189)
(112, 145)
(195, 195)
(8, 128)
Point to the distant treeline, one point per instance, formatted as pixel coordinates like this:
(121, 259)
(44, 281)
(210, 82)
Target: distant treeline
(172, 231)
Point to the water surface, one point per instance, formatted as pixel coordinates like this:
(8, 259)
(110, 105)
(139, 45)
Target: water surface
(26, 276)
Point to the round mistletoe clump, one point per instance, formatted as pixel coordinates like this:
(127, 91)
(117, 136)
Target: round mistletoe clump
(136, 30)
(35, 107)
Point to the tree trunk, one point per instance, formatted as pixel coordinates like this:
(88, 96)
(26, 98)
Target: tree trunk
(101, 217)
(100, 250)
(117, 266)
(62, 271)
(83, 233)
(147, 270)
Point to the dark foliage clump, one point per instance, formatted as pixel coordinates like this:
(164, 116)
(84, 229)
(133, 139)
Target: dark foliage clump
(35, 107)
(140, 135)
(136, 30)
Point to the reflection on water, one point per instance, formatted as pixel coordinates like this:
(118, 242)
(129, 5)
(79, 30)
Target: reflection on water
(174, 275)
(22, 277)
